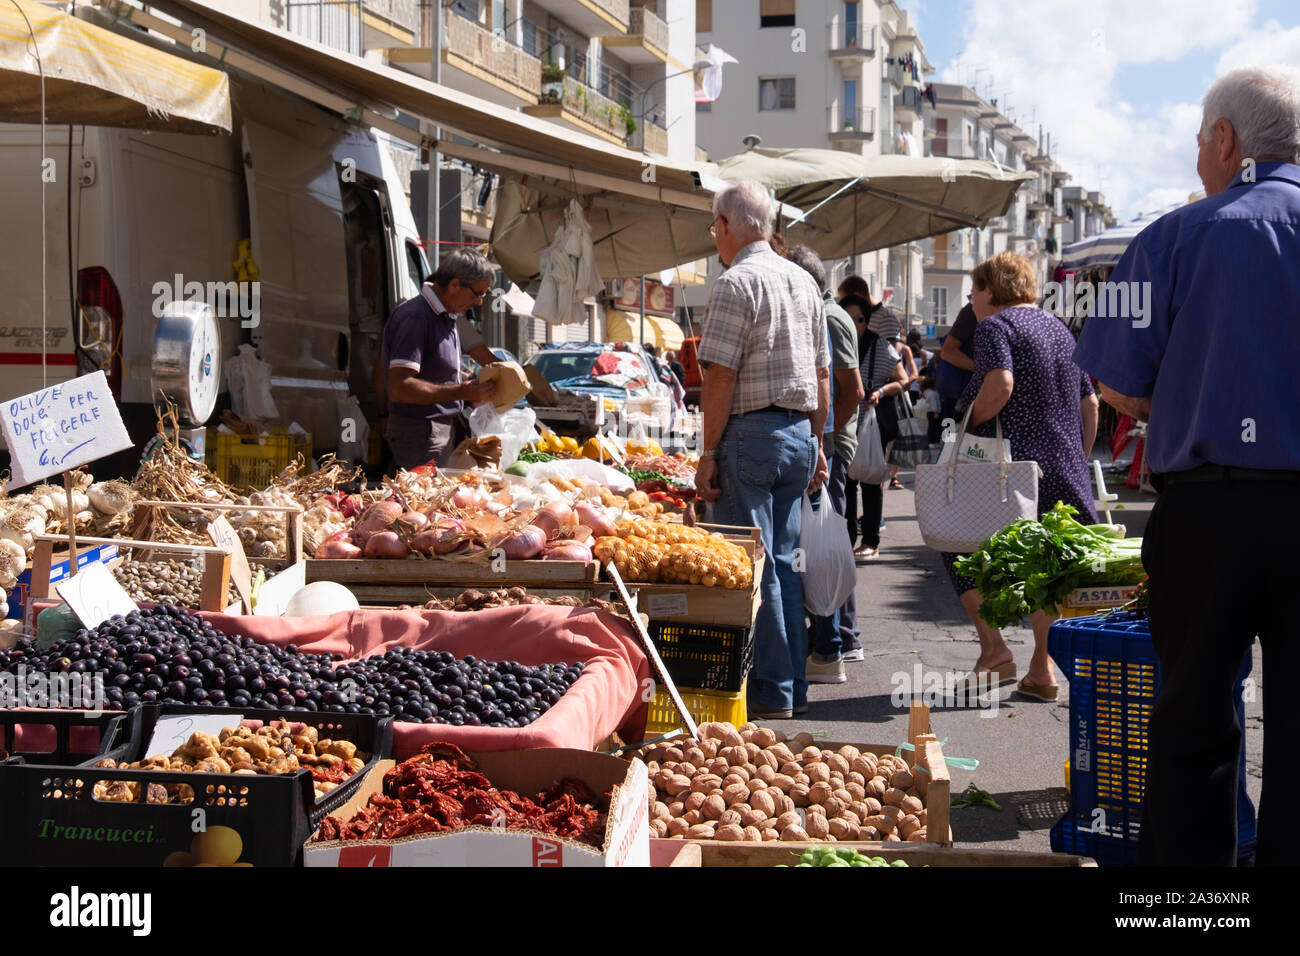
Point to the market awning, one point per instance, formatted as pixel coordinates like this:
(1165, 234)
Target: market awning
(96, 77)
(1106, 248)
(661, 332)
(373, 92)
(853, 204)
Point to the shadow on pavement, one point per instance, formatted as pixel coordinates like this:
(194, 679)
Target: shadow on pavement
(1021, 810)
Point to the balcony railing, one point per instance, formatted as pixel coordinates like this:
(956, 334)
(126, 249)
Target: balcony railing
(909, 98)
(654, 138)
(584, 103)
(332, 23)
(494, 55)
(849, 39)
(402, 13)
(860, 121)
(950, 259)
(618, 9)
(652, 30)
(594, 75)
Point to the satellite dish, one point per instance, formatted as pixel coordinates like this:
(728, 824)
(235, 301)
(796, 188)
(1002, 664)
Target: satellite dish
(751, 140)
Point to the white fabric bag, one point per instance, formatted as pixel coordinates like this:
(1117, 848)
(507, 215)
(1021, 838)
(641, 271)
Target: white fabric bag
(868, 465)
(830, 572)
(960, 503)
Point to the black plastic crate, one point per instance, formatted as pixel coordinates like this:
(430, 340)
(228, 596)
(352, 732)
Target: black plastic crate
(50, 817)
(708, 656)
(53, 737)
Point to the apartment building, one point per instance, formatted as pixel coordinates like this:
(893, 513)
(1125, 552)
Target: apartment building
(830, 74)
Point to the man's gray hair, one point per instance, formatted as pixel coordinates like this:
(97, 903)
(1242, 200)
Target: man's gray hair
(747, 207)
(809, 262)
(463, 264)
(1263, 105)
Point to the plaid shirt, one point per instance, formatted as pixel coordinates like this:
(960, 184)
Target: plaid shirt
(766, 320)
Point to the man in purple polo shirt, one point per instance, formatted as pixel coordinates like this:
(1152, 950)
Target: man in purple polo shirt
(422, 353)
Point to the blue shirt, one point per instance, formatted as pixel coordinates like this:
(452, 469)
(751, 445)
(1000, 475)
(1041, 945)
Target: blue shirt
(1223, 380)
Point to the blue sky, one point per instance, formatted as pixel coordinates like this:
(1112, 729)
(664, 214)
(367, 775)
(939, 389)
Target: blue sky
(1117, 84)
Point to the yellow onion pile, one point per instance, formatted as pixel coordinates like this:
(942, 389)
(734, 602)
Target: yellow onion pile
(649, 551)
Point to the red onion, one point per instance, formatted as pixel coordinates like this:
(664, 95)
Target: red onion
(410, 522)
(350, 506)
(376, 518)
(581, 534)
(566, 551)
(554, 516)
(447, 534)
(525, 543)
(386, 544)
(338, 546)
(593, 516)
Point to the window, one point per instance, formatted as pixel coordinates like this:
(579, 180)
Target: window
(499, 17)
(776, 93)
(850, 104)
(776, 13)
(703, 16)
(939, 304)
(851, 37)
(704, 107)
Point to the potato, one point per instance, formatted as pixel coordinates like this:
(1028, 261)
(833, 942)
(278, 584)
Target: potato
(752, 834)
(693, 817)
(701, 831)
(769, 835)
(659, 828)
(755, 785)
(893, 797)
(677, 783)
(876, 787)
(676, 808)
(817, 772)
(800, 794)
(787, 819)
(761, 800)
(736, 793)
(783, 782)
(659, 811)
(713, 807)
(901, 780)
(837, 763)
(763, 737)
(816, 826)
(706, 783)
(794, 834)
(803, 739)
(912, 804)
(854, 777)
(677, 826)
(818, 792)
(729, 832)
(694, 801)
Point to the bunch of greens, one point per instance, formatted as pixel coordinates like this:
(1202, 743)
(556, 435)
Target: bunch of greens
(830, 856)
(532, 455)
(1032, 565)
(973, 796)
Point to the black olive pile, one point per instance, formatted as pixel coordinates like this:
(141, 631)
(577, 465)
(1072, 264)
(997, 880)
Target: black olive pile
(168, 653)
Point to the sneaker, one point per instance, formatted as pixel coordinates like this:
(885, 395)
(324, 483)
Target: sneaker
(759, 713)
(824, 672)
(854, 656)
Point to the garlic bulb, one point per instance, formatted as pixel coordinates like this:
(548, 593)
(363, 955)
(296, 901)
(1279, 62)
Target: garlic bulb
(13, 560)
(110, 497)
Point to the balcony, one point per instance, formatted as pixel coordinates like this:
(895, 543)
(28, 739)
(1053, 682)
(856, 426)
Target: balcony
(852, 42)
(1038, 161)
(591, 17)
(651, 137)
(944, 259)
(390, 21)
(475, 50)
(589, 111)
(475, 219)
(857, 125)
(646, 40)
(907, 104)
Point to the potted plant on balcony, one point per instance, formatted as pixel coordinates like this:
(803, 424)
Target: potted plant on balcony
(629, 123)
(552, 83)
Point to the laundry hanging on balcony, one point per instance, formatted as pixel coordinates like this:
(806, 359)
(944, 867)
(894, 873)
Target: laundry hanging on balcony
(568, 271)
(709, 86)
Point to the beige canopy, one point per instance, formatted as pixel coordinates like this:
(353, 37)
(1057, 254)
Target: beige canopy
(854, 204)
(99, 78)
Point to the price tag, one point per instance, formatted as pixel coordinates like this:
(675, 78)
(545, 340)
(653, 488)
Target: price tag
(611, 444)
(223, 536)
(172, 732)
(666, 605)
(61, 427)
(94, 595)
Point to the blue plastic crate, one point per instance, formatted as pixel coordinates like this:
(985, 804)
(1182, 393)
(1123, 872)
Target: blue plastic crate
(1114, 676)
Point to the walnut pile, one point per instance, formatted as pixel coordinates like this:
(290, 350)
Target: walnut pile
(272, 749)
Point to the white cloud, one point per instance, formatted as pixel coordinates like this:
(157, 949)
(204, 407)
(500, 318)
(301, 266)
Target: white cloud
(1264, 47)
(1061, 68)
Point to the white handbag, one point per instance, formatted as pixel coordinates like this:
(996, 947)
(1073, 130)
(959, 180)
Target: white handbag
(961, 503)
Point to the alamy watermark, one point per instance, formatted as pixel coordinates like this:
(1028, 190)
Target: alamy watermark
(1102, 300)
(57, 690)
(952, 689)
(228, 300)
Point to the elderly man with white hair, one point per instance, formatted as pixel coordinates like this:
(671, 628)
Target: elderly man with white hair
(1224, 281)
(765, 398)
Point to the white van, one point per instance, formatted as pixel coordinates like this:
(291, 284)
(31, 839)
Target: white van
(132, 217)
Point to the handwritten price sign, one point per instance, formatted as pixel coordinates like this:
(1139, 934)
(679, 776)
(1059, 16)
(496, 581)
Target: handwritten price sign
(62, 427)
(94, 595)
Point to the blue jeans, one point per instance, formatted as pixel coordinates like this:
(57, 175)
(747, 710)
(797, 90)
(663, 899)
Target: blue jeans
(835, 635)
(765, 462)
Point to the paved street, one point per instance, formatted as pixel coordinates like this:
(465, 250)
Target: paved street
(909, 615)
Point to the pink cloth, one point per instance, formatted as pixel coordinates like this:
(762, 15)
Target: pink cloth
(606, 698)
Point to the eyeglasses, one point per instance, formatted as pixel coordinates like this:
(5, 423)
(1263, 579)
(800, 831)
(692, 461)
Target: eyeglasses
(713, 226)
(480, 293)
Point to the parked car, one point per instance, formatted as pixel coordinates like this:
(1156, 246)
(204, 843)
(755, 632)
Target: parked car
(469, 367)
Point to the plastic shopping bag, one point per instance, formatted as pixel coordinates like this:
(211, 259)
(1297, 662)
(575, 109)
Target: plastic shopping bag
(515, 428)
(830, 573)
(868, 465)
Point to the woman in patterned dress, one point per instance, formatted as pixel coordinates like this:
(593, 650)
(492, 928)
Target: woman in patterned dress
(1025, 376)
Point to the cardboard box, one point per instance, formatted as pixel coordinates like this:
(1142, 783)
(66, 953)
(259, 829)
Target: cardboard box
(19, 593)
(527, 772)
(1082, 602)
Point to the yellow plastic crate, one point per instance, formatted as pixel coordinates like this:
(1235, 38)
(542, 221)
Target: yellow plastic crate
(704, 705)
(1085, 602)
(251, 461)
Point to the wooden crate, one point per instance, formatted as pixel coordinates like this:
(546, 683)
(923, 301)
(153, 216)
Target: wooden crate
(696, 604)
(372, 572)
(216, 565)
(388, 596)
(292, 518)
(715, 853)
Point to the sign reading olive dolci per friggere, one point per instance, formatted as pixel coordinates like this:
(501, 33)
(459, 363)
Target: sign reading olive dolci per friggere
(61, 427)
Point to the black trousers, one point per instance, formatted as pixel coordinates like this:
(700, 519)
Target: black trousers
(1215, 553)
